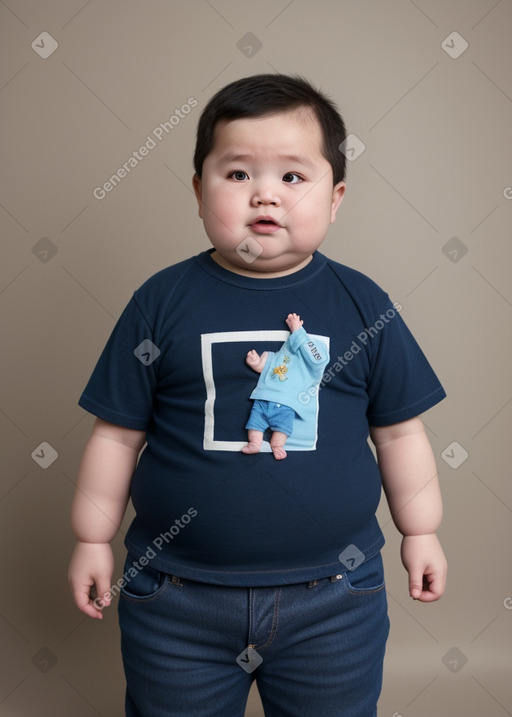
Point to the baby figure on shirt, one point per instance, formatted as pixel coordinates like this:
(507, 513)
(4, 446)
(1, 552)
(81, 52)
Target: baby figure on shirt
(299, 364)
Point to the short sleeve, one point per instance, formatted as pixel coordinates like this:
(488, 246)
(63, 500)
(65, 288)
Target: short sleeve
(123, 383)
(402, 383)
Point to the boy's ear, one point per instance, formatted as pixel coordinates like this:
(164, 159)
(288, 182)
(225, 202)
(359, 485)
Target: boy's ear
(198, 191)
(338, 193)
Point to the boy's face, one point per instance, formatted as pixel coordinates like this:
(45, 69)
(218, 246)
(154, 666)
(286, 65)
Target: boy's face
(266, 190)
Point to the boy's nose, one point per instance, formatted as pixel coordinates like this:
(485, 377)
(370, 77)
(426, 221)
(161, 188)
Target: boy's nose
(265, 197)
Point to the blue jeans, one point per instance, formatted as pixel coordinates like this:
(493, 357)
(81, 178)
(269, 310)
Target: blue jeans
(193, 649)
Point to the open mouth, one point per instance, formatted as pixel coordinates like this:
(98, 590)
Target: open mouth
(265, 225)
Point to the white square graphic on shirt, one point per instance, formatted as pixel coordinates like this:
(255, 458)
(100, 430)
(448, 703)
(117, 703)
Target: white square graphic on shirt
(305, 432)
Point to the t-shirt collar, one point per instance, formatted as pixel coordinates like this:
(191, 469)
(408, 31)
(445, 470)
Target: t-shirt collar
(316, 264)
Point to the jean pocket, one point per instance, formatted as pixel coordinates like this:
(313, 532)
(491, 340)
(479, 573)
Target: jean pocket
(368, 577)
(141, 581)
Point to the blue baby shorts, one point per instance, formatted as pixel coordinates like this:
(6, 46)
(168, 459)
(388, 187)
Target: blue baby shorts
(265, 414)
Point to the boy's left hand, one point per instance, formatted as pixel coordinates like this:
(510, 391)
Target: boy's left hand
(424, 560)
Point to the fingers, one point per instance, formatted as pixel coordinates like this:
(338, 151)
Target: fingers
(429, 588)
(92, 595)
(425, 562)
(294, 321)
(415, 583)
(89, 575)
(84, 602)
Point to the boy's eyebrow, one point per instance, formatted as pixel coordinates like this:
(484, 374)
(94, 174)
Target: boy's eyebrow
(240, 157)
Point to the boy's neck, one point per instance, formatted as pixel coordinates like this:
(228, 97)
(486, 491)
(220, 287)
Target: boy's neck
(219, 259)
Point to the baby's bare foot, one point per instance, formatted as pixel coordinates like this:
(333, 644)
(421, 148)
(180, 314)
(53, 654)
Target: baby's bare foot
(279, 453)
(251, 447)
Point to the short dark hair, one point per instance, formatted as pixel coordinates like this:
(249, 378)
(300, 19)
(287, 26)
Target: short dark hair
(268, 94)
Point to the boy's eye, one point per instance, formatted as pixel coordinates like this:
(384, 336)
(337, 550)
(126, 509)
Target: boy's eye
(239, 175)
(292, 178)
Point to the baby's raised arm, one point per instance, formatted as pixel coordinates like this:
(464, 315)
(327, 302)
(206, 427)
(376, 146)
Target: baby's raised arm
(294, 322)
(99, 504)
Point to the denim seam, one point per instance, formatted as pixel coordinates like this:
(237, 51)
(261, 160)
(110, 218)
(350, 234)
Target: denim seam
(275, 620)
(251, 616)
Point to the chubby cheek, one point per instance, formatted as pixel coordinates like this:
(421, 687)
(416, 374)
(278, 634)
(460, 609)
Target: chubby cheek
(215, 206)
(310, 227)
(220, 223)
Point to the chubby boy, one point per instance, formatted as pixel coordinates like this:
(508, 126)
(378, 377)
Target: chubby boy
(277, 575)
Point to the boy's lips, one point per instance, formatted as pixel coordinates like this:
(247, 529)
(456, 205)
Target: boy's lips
(265, 225)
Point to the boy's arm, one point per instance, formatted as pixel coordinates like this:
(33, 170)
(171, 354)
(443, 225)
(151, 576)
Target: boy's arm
(409, 477)
(99, 504)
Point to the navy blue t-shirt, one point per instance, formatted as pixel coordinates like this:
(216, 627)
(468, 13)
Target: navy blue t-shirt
(175, 368)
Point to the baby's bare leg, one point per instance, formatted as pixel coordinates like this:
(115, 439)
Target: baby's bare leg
(255, 440)
(277, 441)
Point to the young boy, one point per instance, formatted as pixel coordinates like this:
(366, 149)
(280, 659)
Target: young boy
(241, 567)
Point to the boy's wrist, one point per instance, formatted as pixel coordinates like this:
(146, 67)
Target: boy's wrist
(419, 536)
(93, 542)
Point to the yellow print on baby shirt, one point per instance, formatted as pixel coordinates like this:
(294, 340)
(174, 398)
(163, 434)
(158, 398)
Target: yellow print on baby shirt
(281, 370)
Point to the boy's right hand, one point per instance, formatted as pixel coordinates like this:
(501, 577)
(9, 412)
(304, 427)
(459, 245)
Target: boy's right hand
(91, 566)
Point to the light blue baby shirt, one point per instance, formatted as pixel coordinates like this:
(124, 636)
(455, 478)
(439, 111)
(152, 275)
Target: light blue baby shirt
(298, 365)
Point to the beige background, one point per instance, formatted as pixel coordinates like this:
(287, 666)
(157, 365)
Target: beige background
(437, 165)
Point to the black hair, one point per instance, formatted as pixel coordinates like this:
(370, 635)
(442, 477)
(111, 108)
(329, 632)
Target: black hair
(268, 94)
